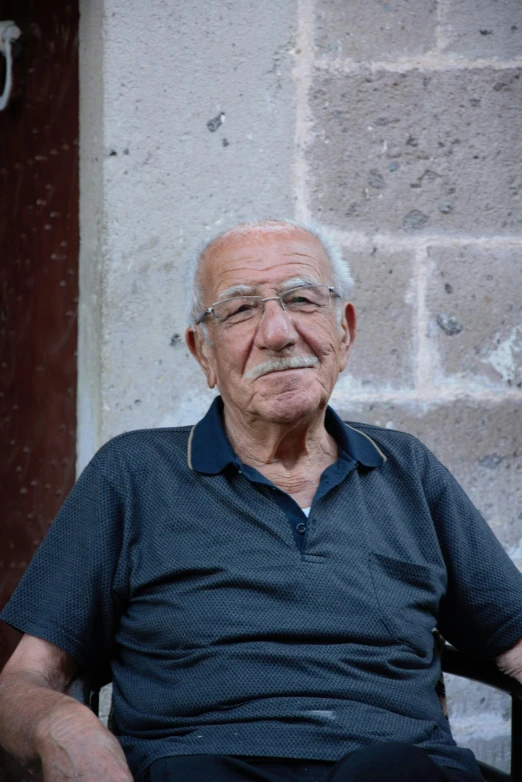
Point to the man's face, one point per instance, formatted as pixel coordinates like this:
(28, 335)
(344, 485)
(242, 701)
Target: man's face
(263, 263)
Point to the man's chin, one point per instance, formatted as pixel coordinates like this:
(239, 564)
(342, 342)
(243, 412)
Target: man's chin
(290, 405)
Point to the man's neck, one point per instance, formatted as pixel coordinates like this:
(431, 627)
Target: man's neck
(258, 442)
(293, 456)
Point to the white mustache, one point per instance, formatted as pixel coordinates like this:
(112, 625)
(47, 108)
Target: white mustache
(277, 364)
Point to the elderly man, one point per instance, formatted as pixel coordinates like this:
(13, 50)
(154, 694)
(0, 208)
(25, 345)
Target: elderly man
(264, 585)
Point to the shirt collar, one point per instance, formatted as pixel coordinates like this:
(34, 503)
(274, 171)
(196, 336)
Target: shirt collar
(209, 450)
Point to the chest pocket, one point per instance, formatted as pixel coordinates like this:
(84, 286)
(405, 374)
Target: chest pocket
(408, 596)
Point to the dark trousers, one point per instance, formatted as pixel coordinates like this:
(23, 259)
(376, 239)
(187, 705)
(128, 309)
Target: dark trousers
(387, 762)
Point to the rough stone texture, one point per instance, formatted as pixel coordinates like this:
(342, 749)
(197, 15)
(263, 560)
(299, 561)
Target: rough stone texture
(480, 720)
(383, 356)
(375, 29)
(475, 327)
(479, 442)
(483, 28)
(485, 739)
(169, 179)
(413, 152)
(465, 699)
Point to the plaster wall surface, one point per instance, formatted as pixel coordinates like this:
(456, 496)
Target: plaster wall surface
(194, 116)
(395, 124)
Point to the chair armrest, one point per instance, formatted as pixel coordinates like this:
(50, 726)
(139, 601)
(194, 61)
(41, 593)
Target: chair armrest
(484, 671)
(86, 689)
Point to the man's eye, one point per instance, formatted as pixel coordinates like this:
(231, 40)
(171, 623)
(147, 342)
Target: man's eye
(240, 310)
(299, 298)
(244, 307)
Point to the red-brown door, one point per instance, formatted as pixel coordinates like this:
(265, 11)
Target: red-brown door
(38, 287)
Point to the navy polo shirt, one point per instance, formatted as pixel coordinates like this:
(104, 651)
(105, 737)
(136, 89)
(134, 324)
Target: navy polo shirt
(229, 632)
(211, 453)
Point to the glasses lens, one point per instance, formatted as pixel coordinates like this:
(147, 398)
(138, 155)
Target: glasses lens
(309, 298)
(237, 309)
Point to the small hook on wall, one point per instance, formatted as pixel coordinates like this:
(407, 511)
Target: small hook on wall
(9, 33)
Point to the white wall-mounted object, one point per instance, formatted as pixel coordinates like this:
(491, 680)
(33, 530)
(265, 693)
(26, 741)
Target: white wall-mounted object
(9, 33)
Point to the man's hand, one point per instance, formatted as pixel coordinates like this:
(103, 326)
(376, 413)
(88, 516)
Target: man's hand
(41, 725)
(511, 661)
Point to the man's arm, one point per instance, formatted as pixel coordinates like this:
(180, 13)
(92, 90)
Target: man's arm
(39, 724)
(511, 661)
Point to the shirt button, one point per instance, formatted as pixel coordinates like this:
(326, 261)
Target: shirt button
(301, 527)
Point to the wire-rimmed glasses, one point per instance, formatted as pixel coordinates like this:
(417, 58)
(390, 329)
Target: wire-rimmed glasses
(306, 299)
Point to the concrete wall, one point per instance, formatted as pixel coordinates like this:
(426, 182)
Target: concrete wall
(396, 124)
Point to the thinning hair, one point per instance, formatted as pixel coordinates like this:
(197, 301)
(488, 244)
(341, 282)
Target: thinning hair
(341, 276)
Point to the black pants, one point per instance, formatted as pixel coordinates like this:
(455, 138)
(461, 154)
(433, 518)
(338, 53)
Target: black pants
(387, 762)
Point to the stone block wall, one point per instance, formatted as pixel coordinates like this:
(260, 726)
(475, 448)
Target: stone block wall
(410, 149)
(395, 123)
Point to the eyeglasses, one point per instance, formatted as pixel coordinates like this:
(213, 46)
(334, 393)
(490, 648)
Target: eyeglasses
(305, 300)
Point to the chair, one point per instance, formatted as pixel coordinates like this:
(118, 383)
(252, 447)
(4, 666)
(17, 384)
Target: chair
(86, 689)
(453, 661)
(486, 672)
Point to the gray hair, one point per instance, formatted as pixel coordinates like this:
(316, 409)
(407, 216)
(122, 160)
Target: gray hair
(341, 276)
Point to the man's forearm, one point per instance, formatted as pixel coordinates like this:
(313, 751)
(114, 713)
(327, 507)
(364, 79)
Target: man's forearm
(511, 661)
(26, 703)
(41, 726)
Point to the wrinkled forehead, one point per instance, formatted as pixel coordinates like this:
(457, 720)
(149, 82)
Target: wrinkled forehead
(260, 255)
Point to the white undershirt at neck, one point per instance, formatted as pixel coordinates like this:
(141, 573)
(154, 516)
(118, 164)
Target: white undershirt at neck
(306, 511)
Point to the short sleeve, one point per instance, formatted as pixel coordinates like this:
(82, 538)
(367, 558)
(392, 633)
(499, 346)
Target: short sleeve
(66, 595)
(482, 609)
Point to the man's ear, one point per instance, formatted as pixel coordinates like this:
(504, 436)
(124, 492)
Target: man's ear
(348, 329)
(202, 351)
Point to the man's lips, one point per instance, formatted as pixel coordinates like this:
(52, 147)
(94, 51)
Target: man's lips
(280, 365)
(286, 369)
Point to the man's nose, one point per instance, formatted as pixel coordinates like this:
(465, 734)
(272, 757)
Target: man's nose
(276, 329)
